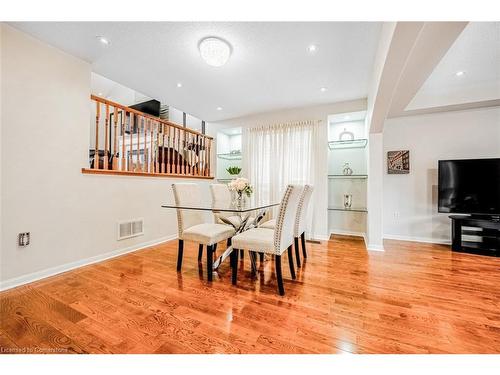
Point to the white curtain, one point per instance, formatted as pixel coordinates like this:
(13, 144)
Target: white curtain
(281, 154)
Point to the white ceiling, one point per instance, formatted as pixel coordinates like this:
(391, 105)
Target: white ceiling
(347, 117)
(270, 67)
(475, 52)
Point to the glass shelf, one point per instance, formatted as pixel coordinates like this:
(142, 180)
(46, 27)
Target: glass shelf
(353, 209)
(347, 177)
(230, 156)
(341, 145)
(224, 179)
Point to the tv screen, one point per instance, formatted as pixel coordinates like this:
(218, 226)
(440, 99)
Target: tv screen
(470, 186)
(151, 107)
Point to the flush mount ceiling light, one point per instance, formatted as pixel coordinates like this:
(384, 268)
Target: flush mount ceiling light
(312, 48)
(323, 89)
(214, 51)
(460, 73)
(219, 108)
(103, 40)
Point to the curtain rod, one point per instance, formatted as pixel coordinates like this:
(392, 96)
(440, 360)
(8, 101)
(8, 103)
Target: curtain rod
(291, 123)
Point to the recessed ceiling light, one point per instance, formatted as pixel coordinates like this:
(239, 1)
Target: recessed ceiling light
(214, 51)
(460, 73)
(312, 48)
(103, 40)
(179, 84)
(323, 89)
(219, 108)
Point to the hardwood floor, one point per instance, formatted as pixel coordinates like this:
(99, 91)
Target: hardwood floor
(412, 298)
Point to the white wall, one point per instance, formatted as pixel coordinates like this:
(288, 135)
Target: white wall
(375, 192)
(45, 131)
(176, 116)
(111, 90)
(410, 201)
(321, 112)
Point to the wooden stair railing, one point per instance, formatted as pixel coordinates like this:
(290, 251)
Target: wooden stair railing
(136, 143)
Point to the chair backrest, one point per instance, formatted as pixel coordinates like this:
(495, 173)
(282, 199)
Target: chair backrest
(187, 194)
(301, 218)
(283, 231)
(221, 196)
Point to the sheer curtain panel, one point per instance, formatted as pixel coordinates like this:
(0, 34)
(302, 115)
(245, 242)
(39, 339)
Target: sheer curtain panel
(281, 154)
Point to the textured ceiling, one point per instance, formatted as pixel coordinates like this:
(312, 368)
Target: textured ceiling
(476, 52)
(270, 67)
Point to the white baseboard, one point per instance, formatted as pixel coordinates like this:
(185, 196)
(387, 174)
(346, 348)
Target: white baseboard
(347, 233)
(320, 238)
(38, 275)
(439, 241)
(375, 247)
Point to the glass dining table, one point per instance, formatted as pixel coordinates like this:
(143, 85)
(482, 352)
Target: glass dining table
(243, 210)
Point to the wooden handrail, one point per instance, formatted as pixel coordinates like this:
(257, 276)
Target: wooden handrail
(110, 172)
(153, 146)
(135, 111)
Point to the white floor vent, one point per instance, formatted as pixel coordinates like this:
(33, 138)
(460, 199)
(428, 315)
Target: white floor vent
(128, 229)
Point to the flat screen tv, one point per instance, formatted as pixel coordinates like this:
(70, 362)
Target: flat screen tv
(151, 107)
(469, 186)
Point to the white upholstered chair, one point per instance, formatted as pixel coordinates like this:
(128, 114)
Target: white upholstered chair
(221, 196)
(300, 223)
(272, 241)
(270, 224)
(192, 225)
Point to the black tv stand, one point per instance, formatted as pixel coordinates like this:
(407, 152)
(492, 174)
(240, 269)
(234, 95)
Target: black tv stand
(483, 228)
(494, 218)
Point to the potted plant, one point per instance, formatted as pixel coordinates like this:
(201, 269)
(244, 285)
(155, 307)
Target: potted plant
(233, 171)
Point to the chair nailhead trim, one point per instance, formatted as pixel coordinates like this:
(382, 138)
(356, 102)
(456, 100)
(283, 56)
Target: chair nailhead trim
(307, 190)
(279, 221)
(179, 216)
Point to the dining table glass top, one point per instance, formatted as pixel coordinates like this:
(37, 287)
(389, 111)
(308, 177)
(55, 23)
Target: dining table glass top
(242, 208)
(247, 205)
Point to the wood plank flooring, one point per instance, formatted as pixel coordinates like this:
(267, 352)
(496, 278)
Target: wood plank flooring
(412, 298)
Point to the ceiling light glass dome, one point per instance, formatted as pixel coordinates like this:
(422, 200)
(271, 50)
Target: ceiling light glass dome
(214, 51)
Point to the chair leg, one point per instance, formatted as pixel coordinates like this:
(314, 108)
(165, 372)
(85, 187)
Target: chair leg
(303, 240)
(231, 260)
(261, 256)
(235, 254)
(242, 253)
(279, 276)
(297, 251)
(215, 247)
(210, 252)
(290, 262)
(179, 255)
(200, 252)
(253, 261)
(228, 242)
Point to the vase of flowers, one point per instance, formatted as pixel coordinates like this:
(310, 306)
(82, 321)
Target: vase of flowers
(241, 186)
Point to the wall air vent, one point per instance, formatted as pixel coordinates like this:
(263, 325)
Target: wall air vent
(131, 228)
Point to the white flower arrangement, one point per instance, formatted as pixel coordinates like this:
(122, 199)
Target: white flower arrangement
(241, 185)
